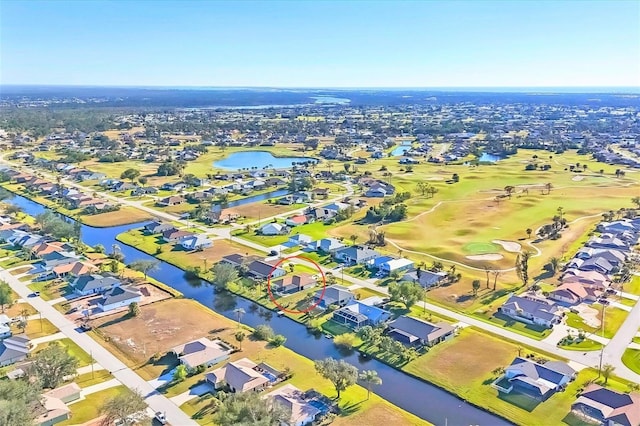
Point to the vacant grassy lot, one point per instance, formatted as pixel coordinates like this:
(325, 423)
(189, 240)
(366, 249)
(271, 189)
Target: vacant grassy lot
(72, 348)
(262, 209)
(124, 216)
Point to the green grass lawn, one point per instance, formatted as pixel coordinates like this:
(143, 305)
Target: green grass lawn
(613, 320)
(631, 358)
(89, 408)
(73, 349)
(89, 379)
(37, 328)
(626, 302)
(633, 286)
(201, 409)
(584, 345)
(49, 290)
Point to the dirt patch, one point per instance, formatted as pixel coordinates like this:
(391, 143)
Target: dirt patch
(260, 209)
(510, 246)
(159, 327)
(379, 414)
(589, 315)
(488, 256)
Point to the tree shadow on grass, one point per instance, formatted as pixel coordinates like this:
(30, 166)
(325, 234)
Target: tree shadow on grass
(491, 297)
(168, 360)
(351, 408)
(520, 400)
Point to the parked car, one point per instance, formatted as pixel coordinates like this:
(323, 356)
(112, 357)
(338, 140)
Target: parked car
(35, 294)
(273, 253)
(161, 418)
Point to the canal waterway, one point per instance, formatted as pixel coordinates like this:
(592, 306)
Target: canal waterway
(416, 396)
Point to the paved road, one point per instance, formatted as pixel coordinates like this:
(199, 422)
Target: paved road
(108, 361)
(612, 352)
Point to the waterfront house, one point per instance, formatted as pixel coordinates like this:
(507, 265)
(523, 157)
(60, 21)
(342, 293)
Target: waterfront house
(261, 269)
(533, 379)
(333, 295)
(158, 227)
(118, 297)
(195, 242)
(85, 285)
(242, 375)
(299, 409)
(293, 283)
(608, 407)
(175, 235)
(416, 332)
(356, 314)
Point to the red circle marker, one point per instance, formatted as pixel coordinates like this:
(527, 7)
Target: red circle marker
(295, 311)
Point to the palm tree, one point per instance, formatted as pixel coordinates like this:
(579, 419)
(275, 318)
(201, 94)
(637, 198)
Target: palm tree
(606, 371)
(239, 313)
(475, 285)
(554, 264)
(239, 338)
(370, 378)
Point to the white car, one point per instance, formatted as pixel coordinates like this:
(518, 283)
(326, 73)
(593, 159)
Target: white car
(161, 417)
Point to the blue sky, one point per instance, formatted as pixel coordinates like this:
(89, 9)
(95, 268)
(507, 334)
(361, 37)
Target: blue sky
(321, 44)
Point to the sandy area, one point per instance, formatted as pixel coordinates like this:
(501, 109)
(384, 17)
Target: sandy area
(434, 178)
(589, 315)
(577, 178)
(510, 246)
(488, 256)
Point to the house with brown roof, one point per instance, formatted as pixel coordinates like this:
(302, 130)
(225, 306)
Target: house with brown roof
(608, 407)
(174, 235)
(171, 201)
(53, 408)
(574, 293)
(295, 403)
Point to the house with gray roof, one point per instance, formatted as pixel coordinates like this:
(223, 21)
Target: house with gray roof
(262, 269)
(355, 255)
(531, 309)
(93, 283)
(333, 295)
(14, 349)
(425, 278)
(243, 375)
(118, 297)
(201, 352)
(415, 332)
(533, 379)
(608, 407)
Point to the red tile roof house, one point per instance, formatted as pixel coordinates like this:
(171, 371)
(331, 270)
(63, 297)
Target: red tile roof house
(293, 283)
(296, 220)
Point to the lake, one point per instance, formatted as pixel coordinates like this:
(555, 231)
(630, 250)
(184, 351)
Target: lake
(416, 396)
(490, 158)
(401, 149)
(259, 159)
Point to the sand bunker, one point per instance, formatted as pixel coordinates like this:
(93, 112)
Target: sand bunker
(488, 256)
(577, 178)
(589, 315)
(435, 178)
(510, 246)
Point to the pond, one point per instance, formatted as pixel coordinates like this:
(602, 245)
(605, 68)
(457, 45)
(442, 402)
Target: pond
(420, 398)
(259, 159)
(401, 149)
(490, 158)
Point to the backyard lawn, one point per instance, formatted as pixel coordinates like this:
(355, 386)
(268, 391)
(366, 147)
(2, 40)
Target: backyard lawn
(531, 330)
(37, 328)
(72, 348)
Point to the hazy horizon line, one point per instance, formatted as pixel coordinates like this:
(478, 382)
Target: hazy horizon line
(573, 89)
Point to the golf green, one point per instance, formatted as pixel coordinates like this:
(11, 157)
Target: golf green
(481, 248)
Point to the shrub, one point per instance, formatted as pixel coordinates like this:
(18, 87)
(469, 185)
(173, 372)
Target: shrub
(263, 332)
(345, 341)
(278, 340)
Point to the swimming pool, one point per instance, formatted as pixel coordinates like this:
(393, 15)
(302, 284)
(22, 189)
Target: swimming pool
(319, 405)
(270, 376)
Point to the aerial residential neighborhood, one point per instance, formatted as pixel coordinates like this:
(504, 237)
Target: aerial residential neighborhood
(320, 213)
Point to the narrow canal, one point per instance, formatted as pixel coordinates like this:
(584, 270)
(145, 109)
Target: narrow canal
(422, 399)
